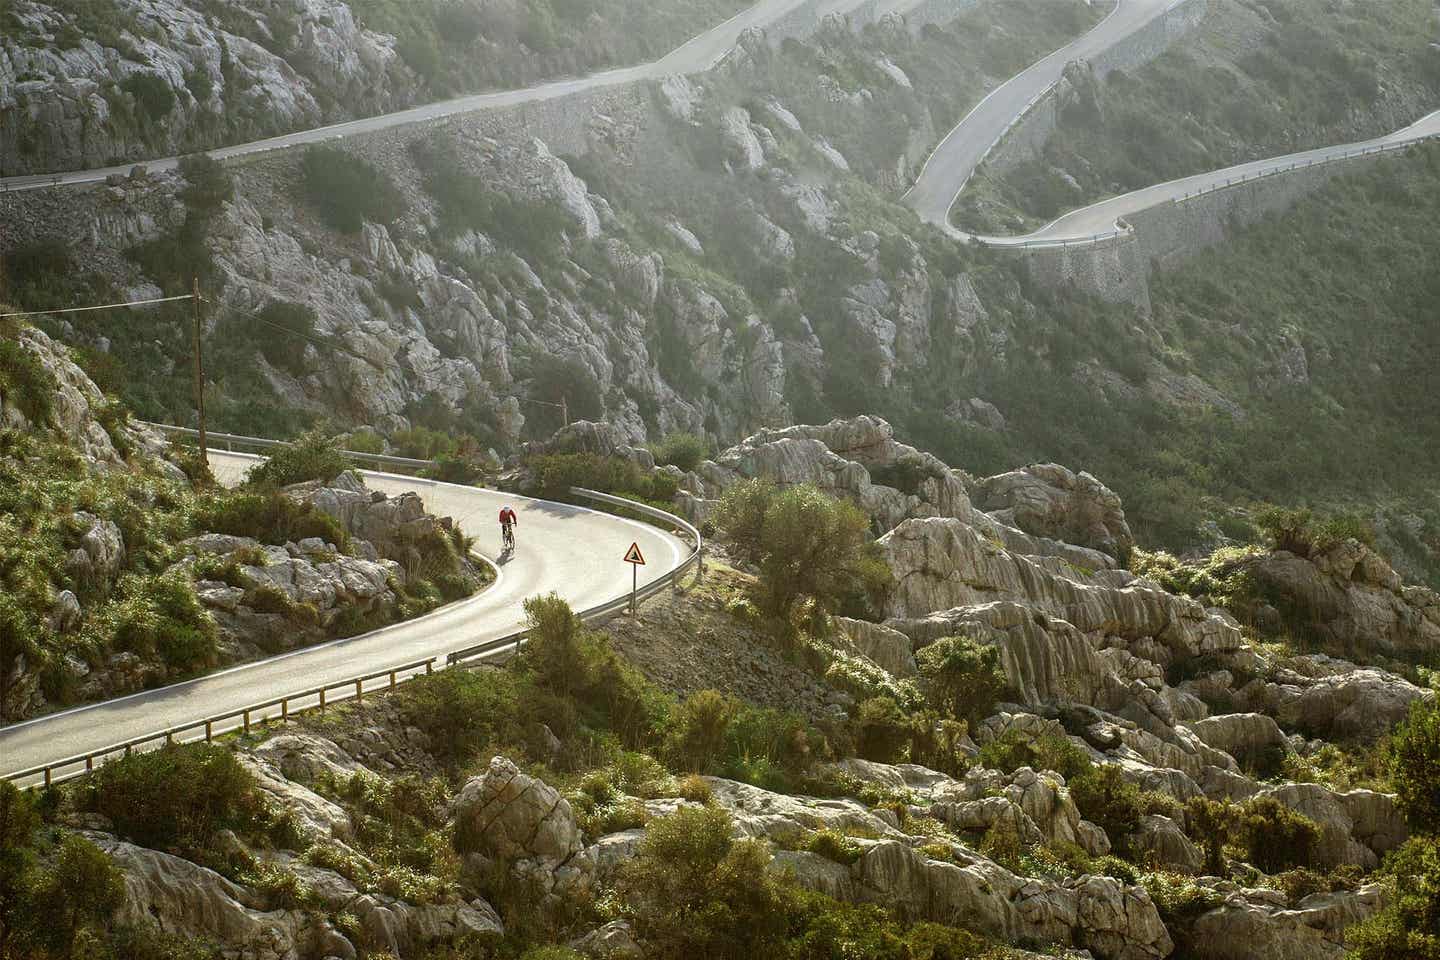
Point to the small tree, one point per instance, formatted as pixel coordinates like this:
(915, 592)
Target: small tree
(83, 888)
(553, 648)
(882, 730)
(1210, 823)
(693, 891)
(741, 514)
(1413, 753)
(683, 450)
(961, 677)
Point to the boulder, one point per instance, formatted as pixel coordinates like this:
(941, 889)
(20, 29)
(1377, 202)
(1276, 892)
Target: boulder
(1362, 704)
(888, 648)
(1160, 841)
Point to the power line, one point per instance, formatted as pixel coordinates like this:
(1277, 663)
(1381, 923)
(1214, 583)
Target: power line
(106, 306)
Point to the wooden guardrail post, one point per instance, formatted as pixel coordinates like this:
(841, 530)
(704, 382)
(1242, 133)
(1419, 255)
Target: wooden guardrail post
(359, 690)
(285, 710)
(322, 699)
(247, 721)
(209, 732)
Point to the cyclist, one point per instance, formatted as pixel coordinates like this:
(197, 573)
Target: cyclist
(507, 524)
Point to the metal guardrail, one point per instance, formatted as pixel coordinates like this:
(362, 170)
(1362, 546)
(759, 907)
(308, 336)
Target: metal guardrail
(208, 728)
(230, 441)
(318, 698)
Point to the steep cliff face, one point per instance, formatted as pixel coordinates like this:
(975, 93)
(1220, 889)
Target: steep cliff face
(92, 85)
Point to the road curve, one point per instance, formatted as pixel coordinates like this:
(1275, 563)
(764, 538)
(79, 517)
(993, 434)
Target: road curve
(1103, 218)
(571, 550)
(952, 163)
(694, 56)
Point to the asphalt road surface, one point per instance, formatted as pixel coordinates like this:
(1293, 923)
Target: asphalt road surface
(694, 56)
(952, 163)
(1102, 218)
(573, 551)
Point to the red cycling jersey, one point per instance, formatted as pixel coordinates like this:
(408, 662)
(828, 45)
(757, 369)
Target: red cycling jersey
(507, 516)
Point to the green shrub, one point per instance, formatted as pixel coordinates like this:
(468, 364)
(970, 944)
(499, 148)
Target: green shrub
(24, 381)
(833, 845)
(464, 712)
(696, 789)
(1052, 752)
(152, 93)
(177, 796)
(1210, 823)
(163, 616)
(1413, 753)
(1408, 927)
(281, 331)
(347, 190)
(882, 730)
(810, 546)
(313, 456)
(683, 450)
(698, 730)
(555, 474)
(961, 677)
(267, 516)
(1106, 798)
(1275, 838)
(692, 891)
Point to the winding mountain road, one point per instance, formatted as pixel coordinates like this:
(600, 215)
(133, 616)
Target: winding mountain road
(1103, 218)
(574, 551)
(694, 56)
(955, 160)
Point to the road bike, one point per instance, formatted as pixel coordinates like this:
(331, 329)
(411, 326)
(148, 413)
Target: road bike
(507, 537)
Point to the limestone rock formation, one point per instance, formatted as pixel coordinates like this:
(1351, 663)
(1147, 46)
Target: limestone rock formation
(1050, 501)
(515, 819)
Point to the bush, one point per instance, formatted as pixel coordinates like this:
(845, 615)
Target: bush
(1413, 753)
(464, 712)
(1210, 823)
(809, 545)
(1300, 532)
(177, 796)
(833, 845)
(1053, 752)
(696, 789)
(696, 741)
(692, 891)
(683, 450)
(1274, 837)
(163, 615)
(313, 456)
(556, 473)
(1105, 797)
(268, 516)
(347, 191)
(961, 677)
(552, 649)
(152, 94)
(882, 730)
(1408, 928)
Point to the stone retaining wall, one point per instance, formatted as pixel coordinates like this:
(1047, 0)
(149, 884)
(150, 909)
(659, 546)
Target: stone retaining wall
(1119, 269)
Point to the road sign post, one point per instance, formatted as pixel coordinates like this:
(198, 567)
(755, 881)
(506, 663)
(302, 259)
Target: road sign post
(636, 559)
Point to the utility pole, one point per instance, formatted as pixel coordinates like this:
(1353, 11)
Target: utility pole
(199, 364)
(565, 409)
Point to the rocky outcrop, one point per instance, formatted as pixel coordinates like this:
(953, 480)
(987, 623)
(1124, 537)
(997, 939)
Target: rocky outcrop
(512, 818)
(1350, 598)
(74, 405)
(186, 899)
(943, 563)
(1050, 501)
(278, 598)
(1100, 914)
(1259, 923)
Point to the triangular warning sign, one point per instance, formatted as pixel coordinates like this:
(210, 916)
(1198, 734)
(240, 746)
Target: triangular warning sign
(633, 555)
